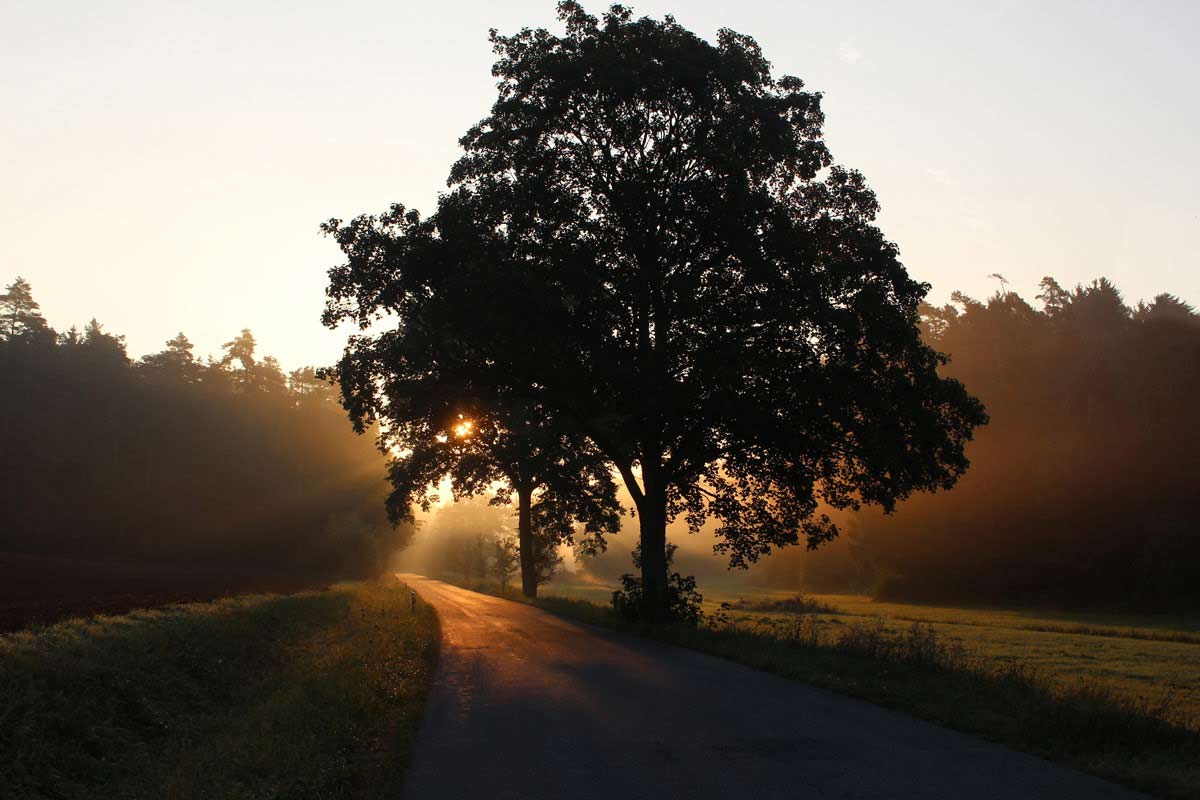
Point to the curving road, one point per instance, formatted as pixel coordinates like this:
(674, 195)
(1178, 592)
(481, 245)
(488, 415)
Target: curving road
(527, 705)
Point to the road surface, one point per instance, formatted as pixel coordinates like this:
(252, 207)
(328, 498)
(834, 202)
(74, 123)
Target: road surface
(527, 705)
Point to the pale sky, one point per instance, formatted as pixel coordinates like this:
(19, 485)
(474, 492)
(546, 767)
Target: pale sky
(164, 166)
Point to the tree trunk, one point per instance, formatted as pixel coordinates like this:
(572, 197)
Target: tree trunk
(652, 515)
(529, 582)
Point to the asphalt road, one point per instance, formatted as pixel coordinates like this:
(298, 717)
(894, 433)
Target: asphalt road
(527, 705)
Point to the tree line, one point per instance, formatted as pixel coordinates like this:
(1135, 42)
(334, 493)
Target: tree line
(226, 464)
(1082, 489)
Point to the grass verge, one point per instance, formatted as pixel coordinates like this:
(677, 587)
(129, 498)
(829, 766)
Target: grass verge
(1139, 742)
(309, 695)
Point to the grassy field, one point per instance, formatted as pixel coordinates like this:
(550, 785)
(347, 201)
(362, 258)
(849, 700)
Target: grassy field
(307, 695)
(1094, 693)
(1152, 660)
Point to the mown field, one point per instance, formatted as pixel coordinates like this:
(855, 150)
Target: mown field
(1154, 660)
(315, 694)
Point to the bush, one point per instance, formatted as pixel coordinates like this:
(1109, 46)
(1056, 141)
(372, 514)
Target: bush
(798, 603)
(683, 601)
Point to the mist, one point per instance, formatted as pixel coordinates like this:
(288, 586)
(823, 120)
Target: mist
(1081, 488)
(455, 537)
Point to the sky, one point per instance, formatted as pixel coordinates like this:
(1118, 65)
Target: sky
(165, 166)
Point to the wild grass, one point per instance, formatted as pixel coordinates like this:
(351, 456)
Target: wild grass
(798, 603)
(308, 695)
(1142, 741)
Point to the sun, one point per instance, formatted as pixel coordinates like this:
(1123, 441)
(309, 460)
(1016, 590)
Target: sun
(464, 428)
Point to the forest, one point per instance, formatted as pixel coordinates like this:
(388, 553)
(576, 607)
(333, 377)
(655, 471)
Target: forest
(1082, 487)
(198, 468)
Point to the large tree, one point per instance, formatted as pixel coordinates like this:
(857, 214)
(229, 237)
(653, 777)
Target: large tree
(649, 238)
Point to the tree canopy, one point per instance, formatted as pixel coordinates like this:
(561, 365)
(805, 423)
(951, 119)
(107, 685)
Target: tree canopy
(20, 314)
(648, 238)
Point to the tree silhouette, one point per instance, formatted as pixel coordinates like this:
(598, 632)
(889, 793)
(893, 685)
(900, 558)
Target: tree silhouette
(20, 317)
(240, 349)
(1165, 307)
(442, 422)
(106, 348)
(505, 560)
(649, 238)
(176, 363)
(255, 375)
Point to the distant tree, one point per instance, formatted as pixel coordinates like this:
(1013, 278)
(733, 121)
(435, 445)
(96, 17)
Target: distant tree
(240, 349)
(104, 350)
(505, 560)
(263, 375)
(1166, 308)
(1054, 298)
(675, 267)
(470, 556)
(1097, 307)
(307, 384)
(269, 375)
(20, 315)
(177, 362)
